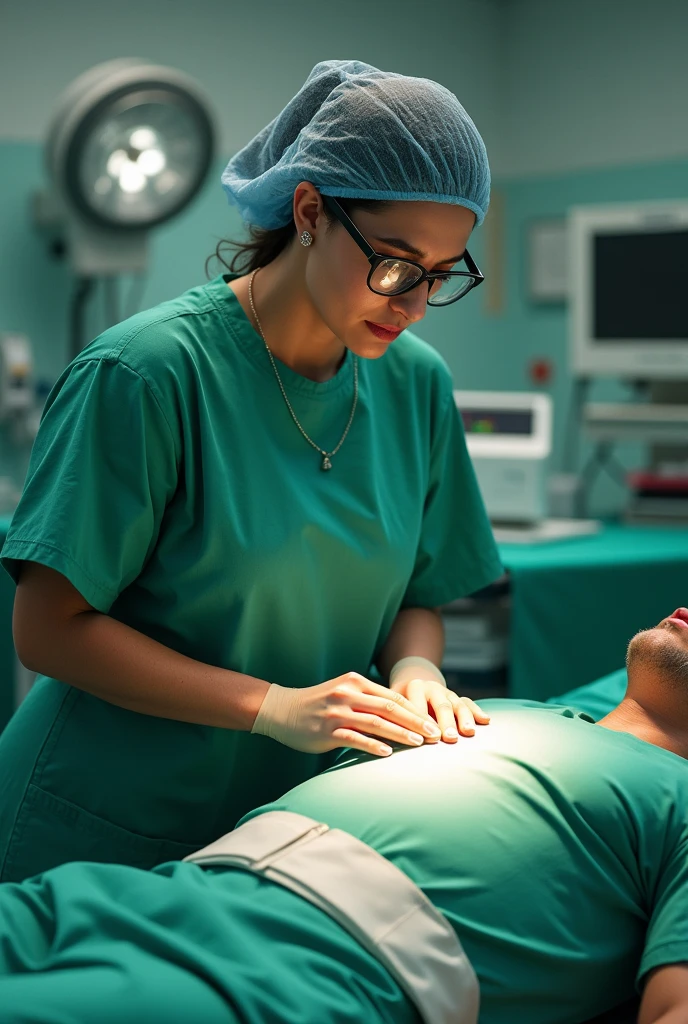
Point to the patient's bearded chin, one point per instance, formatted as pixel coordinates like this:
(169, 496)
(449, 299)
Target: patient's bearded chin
(658, 652)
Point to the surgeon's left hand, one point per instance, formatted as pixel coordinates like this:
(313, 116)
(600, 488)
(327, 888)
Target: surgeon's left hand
(415, 681)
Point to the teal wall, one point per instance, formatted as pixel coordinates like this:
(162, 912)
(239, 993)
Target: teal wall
(591, 83)
(484, 351)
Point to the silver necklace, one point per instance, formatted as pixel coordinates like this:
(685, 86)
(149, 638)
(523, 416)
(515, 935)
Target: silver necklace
(326, 456)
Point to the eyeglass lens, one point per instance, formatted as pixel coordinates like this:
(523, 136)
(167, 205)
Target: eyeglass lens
(394, 276)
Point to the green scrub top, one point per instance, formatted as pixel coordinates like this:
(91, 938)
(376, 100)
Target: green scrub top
(557, 849)
(170, 485)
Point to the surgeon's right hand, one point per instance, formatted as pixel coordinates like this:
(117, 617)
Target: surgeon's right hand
(349, 711)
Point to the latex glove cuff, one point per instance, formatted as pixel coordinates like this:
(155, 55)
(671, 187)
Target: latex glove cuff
(415, 667)
(278, 714)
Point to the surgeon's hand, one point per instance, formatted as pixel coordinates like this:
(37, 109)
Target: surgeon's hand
(348, 711)
(451, 711)
(423, 684)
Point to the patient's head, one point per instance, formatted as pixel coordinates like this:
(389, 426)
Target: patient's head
(658, 657)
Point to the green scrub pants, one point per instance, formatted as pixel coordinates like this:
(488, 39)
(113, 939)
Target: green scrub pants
(109, 943)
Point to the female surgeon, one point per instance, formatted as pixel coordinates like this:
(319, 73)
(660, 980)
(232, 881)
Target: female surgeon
(243, 503)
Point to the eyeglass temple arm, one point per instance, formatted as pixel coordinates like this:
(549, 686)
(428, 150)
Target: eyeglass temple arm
(472, 266)
(334, 207)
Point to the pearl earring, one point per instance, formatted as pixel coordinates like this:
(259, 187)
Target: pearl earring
(306, 238)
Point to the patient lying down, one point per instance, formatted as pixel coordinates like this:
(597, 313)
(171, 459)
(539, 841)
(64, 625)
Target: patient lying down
(556, 848)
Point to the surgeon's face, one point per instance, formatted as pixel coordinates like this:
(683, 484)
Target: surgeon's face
(432, 234)
(664, 648)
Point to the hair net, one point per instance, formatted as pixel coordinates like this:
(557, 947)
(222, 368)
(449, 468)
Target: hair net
(357, 132)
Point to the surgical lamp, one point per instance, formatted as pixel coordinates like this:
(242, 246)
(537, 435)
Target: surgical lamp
(129, 146)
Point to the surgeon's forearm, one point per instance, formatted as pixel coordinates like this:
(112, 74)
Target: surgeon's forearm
(104, 657)
(675, 1015)
(417, 631)
(665, 999)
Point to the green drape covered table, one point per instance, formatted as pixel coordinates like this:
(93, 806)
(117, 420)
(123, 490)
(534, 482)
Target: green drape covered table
(576, 603)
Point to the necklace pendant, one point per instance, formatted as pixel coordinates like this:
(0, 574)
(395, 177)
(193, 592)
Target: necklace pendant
(326, 464)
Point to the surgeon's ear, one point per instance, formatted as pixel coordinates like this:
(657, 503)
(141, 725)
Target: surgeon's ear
(308, 208)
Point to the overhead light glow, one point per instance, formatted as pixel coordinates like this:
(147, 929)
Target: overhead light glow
(151, 162)
(143, 138)
(116, 161)
(131, 179)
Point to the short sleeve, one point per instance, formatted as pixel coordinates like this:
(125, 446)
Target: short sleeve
(102, 470)
(666, 941)
(456, 554)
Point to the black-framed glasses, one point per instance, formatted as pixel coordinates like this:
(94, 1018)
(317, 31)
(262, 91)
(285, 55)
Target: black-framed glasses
(392, 276)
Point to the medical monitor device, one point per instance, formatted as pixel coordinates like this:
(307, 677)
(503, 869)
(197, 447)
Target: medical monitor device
(509, 439)
(629, 290)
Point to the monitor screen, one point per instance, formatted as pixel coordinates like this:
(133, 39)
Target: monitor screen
(640, 291)
(498, 421)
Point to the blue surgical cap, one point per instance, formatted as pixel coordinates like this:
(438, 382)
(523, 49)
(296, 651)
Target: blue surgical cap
(357, 132)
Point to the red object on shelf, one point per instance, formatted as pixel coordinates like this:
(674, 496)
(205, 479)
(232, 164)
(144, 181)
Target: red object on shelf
(641, 480)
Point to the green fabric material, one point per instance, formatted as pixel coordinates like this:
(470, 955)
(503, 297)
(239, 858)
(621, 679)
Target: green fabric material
(577, 603)
(599, 698)
(7, 653)
(169, 484)
(109, 943)
(545, 840)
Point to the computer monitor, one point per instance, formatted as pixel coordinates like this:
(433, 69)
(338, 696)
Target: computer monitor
(506, 424)
(629, 290)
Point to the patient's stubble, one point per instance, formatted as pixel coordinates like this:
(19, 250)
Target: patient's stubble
(663, 649)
